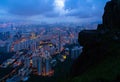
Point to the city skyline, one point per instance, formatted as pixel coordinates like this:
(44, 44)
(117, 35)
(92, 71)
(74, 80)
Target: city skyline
(52, 11)
(38, 51)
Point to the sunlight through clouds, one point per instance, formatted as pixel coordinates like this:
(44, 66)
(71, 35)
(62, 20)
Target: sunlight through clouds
(53, 10)
(60, 7)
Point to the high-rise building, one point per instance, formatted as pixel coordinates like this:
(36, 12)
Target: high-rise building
(42, 62)
(34, 62)
(27, 62)
(75, 52)
(39, 65)
(47, 66)
(4, 35)
(46, 62)
(5, 46)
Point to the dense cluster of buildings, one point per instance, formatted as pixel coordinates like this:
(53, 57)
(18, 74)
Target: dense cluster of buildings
(41, 63)
(42, 45)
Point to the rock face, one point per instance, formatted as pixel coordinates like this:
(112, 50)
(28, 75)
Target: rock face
(111, 16)
(93, 52)
(96, 42)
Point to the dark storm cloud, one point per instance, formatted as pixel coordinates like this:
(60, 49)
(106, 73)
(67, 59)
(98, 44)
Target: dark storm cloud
(53, 9)
(28, 7)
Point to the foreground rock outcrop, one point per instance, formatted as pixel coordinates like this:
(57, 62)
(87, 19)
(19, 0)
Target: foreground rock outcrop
(111, 16)
(98, 43)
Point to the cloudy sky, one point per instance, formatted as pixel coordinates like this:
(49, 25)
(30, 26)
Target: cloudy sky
(78, 11)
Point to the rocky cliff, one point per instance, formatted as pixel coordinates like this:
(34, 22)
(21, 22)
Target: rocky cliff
(98, 44)
(111, 16)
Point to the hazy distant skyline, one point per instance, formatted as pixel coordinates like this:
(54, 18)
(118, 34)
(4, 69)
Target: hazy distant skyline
(51, 11)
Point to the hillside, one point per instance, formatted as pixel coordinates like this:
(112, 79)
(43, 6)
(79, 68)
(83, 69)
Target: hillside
(99, 61)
